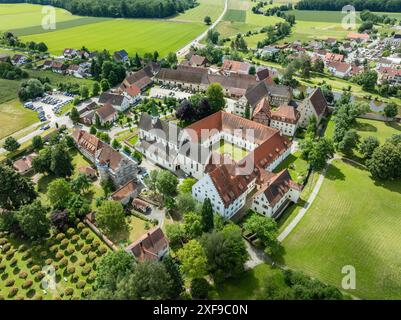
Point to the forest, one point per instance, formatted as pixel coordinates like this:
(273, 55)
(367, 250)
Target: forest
(118, 8)
(337, 5)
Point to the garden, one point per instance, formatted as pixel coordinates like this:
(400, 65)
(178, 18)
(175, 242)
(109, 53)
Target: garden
(73, 255)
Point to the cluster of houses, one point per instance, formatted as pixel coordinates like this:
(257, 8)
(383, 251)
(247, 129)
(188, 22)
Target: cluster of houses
(16, 60)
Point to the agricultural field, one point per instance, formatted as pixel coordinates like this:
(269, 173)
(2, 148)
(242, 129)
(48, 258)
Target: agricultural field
(134, 35)
(353, 221)
(74, 256)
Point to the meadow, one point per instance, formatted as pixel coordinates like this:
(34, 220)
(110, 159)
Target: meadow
(354, 221)
(133, 35)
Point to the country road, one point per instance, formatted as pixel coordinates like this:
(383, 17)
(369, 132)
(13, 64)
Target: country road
(183, 51)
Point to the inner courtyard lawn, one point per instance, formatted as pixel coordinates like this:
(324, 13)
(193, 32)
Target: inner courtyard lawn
(353, 221)
(235, 153)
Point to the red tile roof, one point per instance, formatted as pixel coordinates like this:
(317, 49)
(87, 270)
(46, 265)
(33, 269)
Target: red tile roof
(286, 114)
(125, 191)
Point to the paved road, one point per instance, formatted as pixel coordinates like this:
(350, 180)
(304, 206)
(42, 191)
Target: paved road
(183, 51)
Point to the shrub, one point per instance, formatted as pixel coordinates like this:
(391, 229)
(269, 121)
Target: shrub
(82, 263)
(60, 236)
(63, 262)
(92, 256)
(199, 288)
(44, 254)
(96, 244)
(85, 232)
(69, 291)
(49, 261)
(70, 250)
(74, 278)
(81, 284)
(26, 255)
(19, 298)
(54, 248)
(86, 249)
(22, 248)
(71, 270)
(102, 250)
(86, 270)
(3, 241)
(38, 297)
(1, 297)
(75, 238)
(81, 226)
(64, 243)
(23, 275)
(27, 284)
(35, 269)
(6, 247)
(13, 262)
(40, 276)
(92, 277)
(90, 238)
(10, 282)
(59, 255)
(87, 292)
(2, 267)
(10, 254)
(70, 231)
(29, 262)
(13, 292)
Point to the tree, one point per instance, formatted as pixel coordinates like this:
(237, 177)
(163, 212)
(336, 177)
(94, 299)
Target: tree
(172, 59)
(186, 185)
(215, 96)
(252, 70)
(212, 36)
(93, 130)
(151, 179)
(155, 56)
(10, 182)
(323, 150)
(148, 281)
(59, 193)
(386, 161)
(114, 266)
(349, 142)
(368, 146)
(77, 207)
(200, 288)
(80, 184)
(185, 203)
(266, 230)
(96, 88)
(318, 65)
(74, 115)
(208, 20)
(176, 234)
(172, 268)
(37, 143)
(193, 259)
(110, 217)
(104, 84)
(272, 289)
(61, 161)
(166, 183)
(192, 225)
(327, 92)
(207, 215)
(41, 46)
(33, 221)
(391, 110)
(226, 252)
(31, 89)
(84, 92)
(11, 144)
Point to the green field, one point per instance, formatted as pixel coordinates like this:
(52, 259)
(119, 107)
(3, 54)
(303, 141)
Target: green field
(379, 129)
(353, 221)
(133, 35)
(231, 150)
(233, 15)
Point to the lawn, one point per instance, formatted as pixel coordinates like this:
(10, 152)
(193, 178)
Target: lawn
(56, 78)
(353, 221)
(235, 15)
(14, 116)
(211, 8)
(231, 150)
(297, 167)
(247, 285)
(379, 129)
(73, 256)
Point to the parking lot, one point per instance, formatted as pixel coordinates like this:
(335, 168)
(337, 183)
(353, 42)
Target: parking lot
(50, 105)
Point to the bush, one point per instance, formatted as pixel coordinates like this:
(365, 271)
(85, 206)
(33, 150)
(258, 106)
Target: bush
(38, 297)
(90, 238)
(2, 267)
(54, 248)
(81, 225)
(75, 238)
(23, 275)
(71, 270)
(60, 236)
(49, 261)
(6, 247)
(63, 262)
(81, 284)
(26, 255)
(13, 292)
(10, 282)
(22, 248)
(82, 263)
(10, 254)
(71, 231)
(86, 249)
(40, 276)
(74, 278)
(13, 262)
(87, 292)
(199, 288)
(86, 270)
(85, 232)
(29, 262)
(92, 277)
(59, 255)
(44, 254)
(35, 269)
(92, 256)
(70, 250)
(69, 291)
(102, 250)
(64, 243)
(19, 298)
(1, 297)
(27, 284)
(96, 244)
(3, 241)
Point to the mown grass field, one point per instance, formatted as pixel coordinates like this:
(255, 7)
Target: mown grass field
(233, 15)
(353, 221)
(211, 8)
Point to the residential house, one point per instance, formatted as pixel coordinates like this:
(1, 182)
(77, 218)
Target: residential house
(126, 193)
(75, 70)
(315, 105)
(106, 115)
(389, 75)
(358, 37)
(152, 246)
(339, 69)
(286, 119)
(142, 79)
(121, 56)
(24, 165)
(88, 171)
(333, 57)
(18, 60)
(70, 53)
(120, 102)
(198, 61)
(232, 66)
(58, 67)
